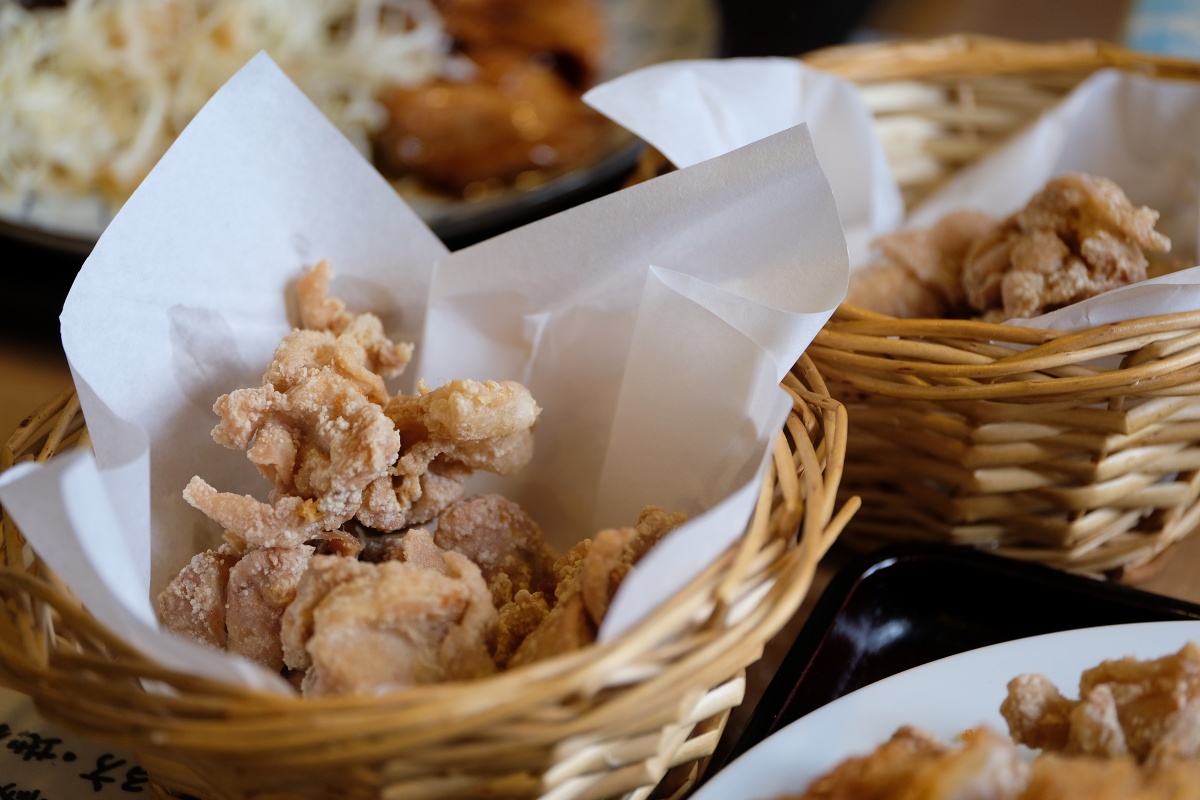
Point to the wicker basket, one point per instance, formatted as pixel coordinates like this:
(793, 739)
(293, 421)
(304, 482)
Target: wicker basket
(992, 435)
(633, 718)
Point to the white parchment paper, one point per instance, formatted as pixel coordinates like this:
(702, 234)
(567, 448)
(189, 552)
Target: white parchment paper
(652, 326)
(694, 110)
(1141, 132)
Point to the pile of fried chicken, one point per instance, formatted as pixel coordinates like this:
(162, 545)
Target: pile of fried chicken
(369, 570)
(1134, 733)
(1076, 238)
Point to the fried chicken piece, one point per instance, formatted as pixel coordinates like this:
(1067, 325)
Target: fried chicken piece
(362, 628)
(567, 627)
(1148, 695)
(889, 288)
(420, 549)
(653, 524)
(516, 114)
(1180, 741)
(447, 434)
(1096, 726)
(193, 604)
(261, 585)
(290, 522)
(502, 540)
(919, 272)
(336, 543)
(315, 428)
(914, 764)
(296, 625)
(1128, 705)
(565, 29)
(1076, 238)
(586, 578)
(314, 433)
(518, 618)
(1037, 713)
(1058, 777)
(320, 312)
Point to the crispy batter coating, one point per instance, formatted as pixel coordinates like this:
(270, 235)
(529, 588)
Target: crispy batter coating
(371, 628)
(918, 272)
(447, 433)
(502, 539)
(889, 288)
(315, 435)
(586, 578)
(1127, 705)
(1079, 236)
(565, 628)
(1037, 713)
(1057, 777)
(519, 618)
(419, 549)
(289, 522)
(336, 447)
(320, 312)
(261, 585)
(193, 604)
(913, 764)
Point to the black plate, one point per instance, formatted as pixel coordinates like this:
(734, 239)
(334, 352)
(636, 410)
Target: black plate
(907, 605)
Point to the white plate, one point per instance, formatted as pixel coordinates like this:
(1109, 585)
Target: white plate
(944, 697)
(642, 32)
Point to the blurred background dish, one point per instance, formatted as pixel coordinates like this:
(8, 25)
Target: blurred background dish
(470, 107)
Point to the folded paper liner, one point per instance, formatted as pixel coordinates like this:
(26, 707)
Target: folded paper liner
(652, 326)
(1142, 132)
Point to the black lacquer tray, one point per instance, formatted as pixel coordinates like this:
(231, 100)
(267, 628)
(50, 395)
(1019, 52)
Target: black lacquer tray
(907, 605)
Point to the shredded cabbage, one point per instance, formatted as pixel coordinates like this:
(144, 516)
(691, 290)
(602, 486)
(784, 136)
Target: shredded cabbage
(93, 93)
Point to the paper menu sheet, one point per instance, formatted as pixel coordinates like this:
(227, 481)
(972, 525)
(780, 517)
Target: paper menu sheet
(652, 326)
(1142, 132)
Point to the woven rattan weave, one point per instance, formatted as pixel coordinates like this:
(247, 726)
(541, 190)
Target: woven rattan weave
(637, 716)
(1079, 450)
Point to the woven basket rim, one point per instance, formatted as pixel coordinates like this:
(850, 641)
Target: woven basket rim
(585, 699)
(977, 54)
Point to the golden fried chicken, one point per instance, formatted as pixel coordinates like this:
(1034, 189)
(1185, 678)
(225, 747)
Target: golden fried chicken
(419, 548)
(918, 272)
(516, 114)
(320, 312)
(1037, 713)
(448, 433)
(261, 585)
(318, 438)
(567, 30)
(193, 604)
(1059, 777)
(502, 540)
(587, 577)
(233, 599)
(914, 764)
(1076, 238)
(518, 619)
(362, 628)
(1126, 706)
